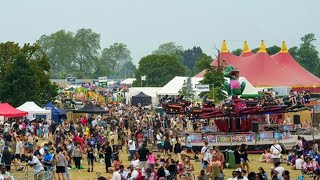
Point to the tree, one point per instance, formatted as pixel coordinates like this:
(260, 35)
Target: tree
(294, 51)
(127, 70)
(307, 54)
(203, 63)
(87, 51)
(116, 58)
(18, 85)
(270, 50)
(72, 53)
(8, 51)
(61, 49)
(158, 69)
(215, 78)
(169, 48)
(190, 56)
(186, 89)
(237, 52)
(25, 77)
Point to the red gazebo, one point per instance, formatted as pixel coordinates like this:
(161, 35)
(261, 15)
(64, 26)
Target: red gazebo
(8, 111)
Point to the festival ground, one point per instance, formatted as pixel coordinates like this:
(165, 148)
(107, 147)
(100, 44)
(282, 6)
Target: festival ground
(100, 168)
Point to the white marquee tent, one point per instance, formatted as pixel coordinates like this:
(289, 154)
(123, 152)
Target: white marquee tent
(33, 109)
(172, 87)
(128, 81)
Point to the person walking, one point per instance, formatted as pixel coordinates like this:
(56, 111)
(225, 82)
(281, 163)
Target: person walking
(177, 149)
(143, 152)
(6, 158)
(107, 155)
(60, 160)
(77, 155)
(18, 152)
(205, 155)
(132, 149)
(90, 157)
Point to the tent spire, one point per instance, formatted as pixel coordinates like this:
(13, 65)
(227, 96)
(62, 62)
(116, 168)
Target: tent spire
(262, 47)
(284, 47)
(246, 47)
(224, 47)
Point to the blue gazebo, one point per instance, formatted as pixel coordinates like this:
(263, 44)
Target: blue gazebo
(56, 113)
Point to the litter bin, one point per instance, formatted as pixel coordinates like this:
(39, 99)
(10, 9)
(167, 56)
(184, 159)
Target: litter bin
(230, 162)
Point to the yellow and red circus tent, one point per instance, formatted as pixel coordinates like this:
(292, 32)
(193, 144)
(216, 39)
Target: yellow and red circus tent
(263, 70)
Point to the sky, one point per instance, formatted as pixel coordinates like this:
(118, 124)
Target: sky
(145, 24)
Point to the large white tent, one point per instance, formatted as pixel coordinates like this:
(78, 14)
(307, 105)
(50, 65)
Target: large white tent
(128, 81)
(33, 109)
(172, 87)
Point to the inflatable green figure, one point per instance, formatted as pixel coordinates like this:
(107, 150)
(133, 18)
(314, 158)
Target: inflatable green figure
(233, 88)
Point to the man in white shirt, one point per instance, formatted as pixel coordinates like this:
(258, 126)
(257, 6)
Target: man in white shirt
(36, 165)
(132, 148)
(205, 154)
(279, 170)
(275, 151)
(115, 174)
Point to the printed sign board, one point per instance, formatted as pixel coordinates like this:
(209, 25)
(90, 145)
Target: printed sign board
(203, 88)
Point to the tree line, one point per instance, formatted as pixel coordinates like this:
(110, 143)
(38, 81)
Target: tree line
(65, 53)
(80, 54)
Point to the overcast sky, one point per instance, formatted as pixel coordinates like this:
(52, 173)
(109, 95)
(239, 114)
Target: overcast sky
(144, 24)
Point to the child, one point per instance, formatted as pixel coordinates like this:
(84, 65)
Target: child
(196, 157)
(291, 155)
(151, 160)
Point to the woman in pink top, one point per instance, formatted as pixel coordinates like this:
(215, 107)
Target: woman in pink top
(151, 160)
(268, 156)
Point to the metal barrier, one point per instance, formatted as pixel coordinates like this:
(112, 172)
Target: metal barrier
(28, 174)
(45, 175)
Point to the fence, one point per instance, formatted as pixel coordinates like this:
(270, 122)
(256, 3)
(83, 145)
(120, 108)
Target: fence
(28, 174)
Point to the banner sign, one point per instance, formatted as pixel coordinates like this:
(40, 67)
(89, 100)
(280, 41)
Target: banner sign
(243, 138)
(71, 80)
(103, 84)
(224, 139)
(196, 138)
(207, 129)
(203, 88)
(266, 135)
(282, 136)
(103, 79)
(212, 139)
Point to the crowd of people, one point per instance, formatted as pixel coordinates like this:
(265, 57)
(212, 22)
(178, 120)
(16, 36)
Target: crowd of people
(158, 147)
